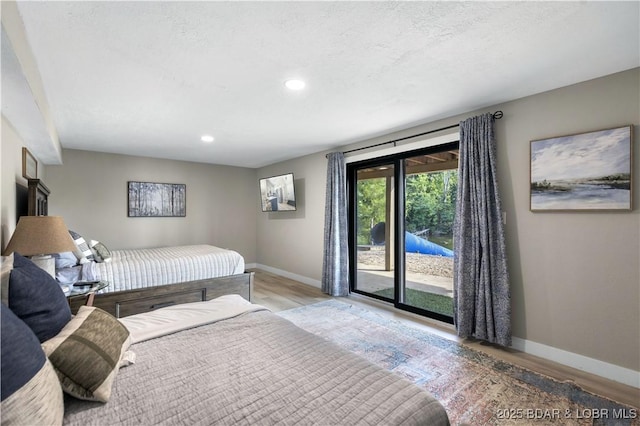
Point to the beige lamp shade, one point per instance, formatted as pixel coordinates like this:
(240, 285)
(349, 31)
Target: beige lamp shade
(36, 235)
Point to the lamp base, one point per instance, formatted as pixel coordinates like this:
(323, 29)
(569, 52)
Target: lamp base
(45, 262)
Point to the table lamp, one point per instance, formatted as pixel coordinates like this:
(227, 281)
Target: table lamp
(39, 237)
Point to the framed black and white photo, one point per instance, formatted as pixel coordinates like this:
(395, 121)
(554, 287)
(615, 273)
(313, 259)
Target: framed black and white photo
(583, 172)
(149, 199)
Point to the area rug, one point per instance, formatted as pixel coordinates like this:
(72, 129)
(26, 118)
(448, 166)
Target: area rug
(475, 388)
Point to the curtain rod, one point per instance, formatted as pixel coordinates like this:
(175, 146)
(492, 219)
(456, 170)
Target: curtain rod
(496, 115)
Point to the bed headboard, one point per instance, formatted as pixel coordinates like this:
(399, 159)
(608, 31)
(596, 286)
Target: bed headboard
(32, 200)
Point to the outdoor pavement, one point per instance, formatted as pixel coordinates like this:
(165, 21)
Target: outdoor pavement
(371, 280)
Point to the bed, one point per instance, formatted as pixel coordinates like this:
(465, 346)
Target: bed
(142, 268)
(142, 280)
(224, 361)
(146, 267)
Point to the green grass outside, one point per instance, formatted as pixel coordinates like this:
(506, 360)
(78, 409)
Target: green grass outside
(421, 299)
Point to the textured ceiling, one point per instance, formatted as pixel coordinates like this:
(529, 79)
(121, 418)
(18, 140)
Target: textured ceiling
(149, 78)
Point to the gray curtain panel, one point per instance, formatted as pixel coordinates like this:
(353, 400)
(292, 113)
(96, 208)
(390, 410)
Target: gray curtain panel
(482, 300)
(335, 263)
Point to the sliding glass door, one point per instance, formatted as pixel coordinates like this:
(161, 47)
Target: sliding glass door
(374, 241)
(430, 194)
(406, 200)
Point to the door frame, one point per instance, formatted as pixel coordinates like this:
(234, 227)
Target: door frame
(398, 207)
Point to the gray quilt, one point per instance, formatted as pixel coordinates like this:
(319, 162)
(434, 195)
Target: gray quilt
(255, 369)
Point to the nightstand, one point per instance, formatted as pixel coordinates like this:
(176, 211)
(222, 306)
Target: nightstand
(87, 291)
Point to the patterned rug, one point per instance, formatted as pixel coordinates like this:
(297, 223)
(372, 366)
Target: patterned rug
(474, 387)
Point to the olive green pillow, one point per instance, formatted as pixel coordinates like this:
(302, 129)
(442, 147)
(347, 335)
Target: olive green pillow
(88, 352)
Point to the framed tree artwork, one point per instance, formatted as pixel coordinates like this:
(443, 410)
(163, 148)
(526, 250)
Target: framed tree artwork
(149, 199)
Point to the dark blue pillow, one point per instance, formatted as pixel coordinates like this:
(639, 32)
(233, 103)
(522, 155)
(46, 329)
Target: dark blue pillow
(37, 299)
(22, 356)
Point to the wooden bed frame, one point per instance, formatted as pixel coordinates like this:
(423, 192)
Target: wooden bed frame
(33, 201)
(124, 303)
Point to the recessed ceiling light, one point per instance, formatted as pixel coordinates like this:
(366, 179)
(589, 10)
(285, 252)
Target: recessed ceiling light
(207, 138)
(294, 84)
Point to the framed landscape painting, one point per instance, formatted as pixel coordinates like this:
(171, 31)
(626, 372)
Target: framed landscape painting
(583, 172)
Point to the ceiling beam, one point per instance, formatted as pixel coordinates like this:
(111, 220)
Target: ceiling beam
(410, 170)
(433, 167)
(24, 102)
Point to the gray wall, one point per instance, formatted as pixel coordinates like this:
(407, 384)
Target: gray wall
(293, 241)
(575, 277)
(90, 191)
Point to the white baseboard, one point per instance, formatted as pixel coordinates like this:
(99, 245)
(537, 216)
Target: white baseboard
(580, 362)
(570, 359)
(286, 274)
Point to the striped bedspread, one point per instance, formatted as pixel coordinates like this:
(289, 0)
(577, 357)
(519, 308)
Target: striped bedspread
(141, 268)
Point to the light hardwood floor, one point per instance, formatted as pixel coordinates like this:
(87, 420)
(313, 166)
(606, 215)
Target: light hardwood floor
(279, 293)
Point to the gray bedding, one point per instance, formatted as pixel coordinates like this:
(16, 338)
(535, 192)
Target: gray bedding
(253, 369)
